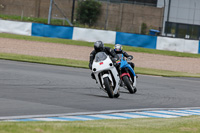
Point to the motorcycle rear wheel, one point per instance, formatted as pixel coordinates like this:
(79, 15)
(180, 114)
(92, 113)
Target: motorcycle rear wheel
(108, 87)
(129, 85)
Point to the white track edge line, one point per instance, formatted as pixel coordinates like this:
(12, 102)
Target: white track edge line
(92, 113)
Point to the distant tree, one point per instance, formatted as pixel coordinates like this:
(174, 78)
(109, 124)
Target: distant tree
(88, 11)
(144, 28)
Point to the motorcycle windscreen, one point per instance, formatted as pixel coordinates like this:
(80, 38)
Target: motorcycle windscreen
(100, 56)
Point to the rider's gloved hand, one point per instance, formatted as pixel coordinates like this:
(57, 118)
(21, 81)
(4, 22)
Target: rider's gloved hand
(130, 57)
(114, 60)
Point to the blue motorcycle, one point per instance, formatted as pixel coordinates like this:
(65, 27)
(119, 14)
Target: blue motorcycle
(127, 74)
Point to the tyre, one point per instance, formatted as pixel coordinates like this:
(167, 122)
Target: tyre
(129, 85)
(135, 90)
(108, 87)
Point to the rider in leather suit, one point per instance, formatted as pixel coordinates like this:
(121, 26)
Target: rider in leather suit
(118, 50)
(99, 47)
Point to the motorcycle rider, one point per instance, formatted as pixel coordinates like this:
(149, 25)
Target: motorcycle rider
(118, 50)
(99, 47)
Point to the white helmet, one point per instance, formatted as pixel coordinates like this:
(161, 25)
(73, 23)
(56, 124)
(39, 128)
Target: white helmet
(118, 47)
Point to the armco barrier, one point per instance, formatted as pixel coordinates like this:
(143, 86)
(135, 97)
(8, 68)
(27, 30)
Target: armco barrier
(53, 31)
(199, 47)
(177, 44)
(92, 35)
(136, 40)
(14, 27)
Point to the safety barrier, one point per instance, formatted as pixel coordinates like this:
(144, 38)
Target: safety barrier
(176, 44)
(92, 35)
(14, 27)
(199, 47)
(136, 40)
(53, 31)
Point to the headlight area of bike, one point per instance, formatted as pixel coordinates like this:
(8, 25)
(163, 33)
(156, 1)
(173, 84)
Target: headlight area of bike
(101, 63)
(99, 58)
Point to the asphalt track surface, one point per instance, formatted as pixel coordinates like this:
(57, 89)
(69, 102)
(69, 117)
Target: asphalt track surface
(39, 89)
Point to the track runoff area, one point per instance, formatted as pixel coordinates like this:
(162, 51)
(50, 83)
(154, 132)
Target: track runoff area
(123, 114)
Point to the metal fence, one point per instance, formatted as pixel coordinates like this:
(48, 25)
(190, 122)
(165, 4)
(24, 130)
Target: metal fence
(116, 15)
(137, 2)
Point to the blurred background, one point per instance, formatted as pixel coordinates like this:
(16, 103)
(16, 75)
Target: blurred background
(173, 18)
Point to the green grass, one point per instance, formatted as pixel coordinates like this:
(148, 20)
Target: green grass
(32, 19)
(90, 44)
(164, 73)
(82, 43)
(46, 39)
(148, 125)
(44, 21)
(84, 64)
(44, 60)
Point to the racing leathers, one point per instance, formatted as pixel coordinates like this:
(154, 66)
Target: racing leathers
(108, 51)
(127, 56)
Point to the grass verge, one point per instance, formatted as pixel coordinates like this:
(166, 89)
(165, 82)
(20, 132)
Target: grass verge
(90, 44)
(84, 64)
(148, 125)
(54, 21)
(37, 20)
(44, 60)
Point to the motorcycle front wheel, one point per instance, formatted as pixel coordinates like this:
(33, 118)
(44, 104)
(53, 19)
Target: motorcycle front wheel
(129, 85)
(108, 87)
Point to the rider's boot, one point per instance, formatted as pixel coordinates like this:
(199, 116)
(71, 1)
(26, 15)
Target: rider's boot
(93, 77)
(121, 83)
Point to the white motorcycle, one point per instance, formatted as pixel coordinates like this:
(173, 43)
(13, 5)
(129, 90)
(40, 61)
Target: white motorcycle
(106, 74)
